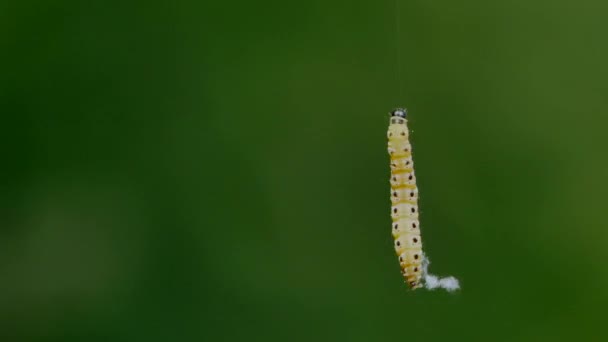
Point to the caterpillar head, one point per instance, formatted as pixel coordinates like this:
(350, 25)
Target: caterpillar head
(399, 112)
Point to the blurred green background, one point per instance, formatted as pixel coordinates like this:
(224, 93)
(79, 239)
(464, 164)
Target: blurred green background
(217, 171)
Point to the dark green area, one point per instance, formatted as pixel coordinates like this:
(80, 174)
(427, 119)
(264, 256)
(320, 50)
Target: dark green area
(217, 171)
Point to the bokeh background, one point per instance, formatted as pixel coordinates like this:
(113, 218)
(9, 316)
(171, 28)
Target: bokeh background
(217, 171)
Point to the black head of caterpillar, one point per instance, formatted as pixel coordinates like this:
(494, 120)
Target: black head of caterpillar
(399, 112)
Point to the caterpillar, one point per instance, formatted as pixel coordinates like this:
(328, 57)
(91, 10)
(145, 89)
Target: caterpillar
(404, 210)
(404, 198)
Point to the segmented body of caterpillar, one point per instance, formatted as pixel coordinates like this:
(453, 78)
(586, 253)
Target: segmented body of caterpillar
(404, 198)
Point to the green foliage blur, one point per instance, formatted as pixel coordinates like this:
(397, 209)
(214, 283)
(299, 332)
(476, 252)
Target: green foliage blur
(217, 171)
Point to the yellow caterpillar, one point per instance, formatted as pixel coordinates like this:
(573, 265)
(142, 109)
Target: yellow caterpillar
(404, 210)
(404, 197)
